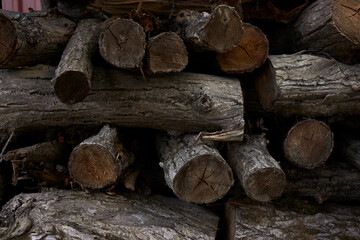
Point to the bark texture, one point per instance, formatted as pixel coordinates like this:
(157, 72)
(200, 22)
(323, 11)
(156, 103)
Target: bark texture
(77, 215)
(166, 53)
(185, 102)
(194, 171)
(32, 38)
(259, 174)
(122, 43)
(309, 85)
(220, 31)
(72, 80)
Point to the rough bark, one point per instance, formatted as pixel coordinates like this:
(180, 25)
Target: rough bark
(32, 38)
(72, 80)
(100, 160)
(330, 26)
(122, 43)
(166, 53)
(309, 85)
(220, 31)
(77, 215)
(185, 102)
(195, 171)
(309, 144)
(351, 151)
(258, 172)
(250, 53)
(268, 222)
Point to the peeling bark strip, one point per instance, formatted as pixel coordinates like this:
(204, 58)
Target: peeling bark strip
(258, 172)
(32, 38)
(309, 144)
(99, 161)
(195, 172)
(122, 43)
(310, 86)
(77, 215)
(72, 80)
(220, 31)
(166, 53)
(185, 102)
(250, 53)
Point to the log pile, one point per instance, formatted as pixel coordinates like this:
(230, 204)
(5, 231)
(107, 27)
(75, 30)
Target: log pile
(197, 100)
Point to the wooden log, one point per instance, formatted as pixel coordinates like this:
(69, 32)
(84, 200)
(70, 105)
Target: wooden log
(258, 172)
(185, 102)
(31, 38)
(100, 160)
(250, 53)
(122, 43)
(77, 215)
(309, 85)
(166, 53)
(220, 31)
(194, 171)
(309, 144)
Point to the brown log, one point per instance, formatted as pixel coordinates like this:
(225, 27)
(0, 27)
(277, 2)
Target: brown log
(195, 171)
(309, 144)
(72, 81)
(77, 215)
(309, 85)
(122, 43)
(166, 53)
(220, 31)
(250, 53)
(100, 160)
(258, 172)
(32, 38)
(185, 102)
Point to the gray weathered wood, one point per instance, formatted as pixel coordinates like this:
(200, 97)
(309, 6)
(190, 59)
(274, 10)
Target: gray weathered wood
(76, 215)
(195, 171)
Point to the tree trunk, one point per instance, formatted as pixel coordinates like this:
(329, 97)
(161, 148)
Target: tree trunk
(309, 86)
(122, 43)
(32, 38)
(72, 80)
(186, 102)
(76, 215)
(259, 174)
(100, 160)
(166, 53)
(250, 53)
(220, 31)
(195, 171)
(330, 26)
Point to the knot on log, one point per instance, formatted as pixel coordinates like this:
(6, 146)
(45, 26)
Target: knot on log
(33, 29)
(203, 103)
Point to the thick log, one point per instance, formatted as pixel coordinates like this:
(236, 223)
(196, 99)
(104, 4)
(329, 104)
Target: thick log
(166, 53)
(186, 102)
(77, 215)
(100, 160)
(32, 38)
(309, 85)
(309, 144)
(258, 172)
(220, 31)
(72, 81)
(250, 53)
(195, 171)
(122, 43)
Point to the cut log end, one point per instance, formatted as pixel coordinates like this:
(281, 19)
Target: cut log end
(8, 39)
(72, 87)
(93, 166)
(309, 144)
(204, 179)
(122, 43)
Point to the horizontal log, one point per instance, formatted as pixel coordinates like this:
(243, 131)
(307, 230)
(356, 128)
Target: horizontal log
(185, 102)
(77, 215)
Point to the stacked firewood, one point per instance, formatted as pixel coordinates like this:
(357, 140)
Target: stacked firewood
(81, 82)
